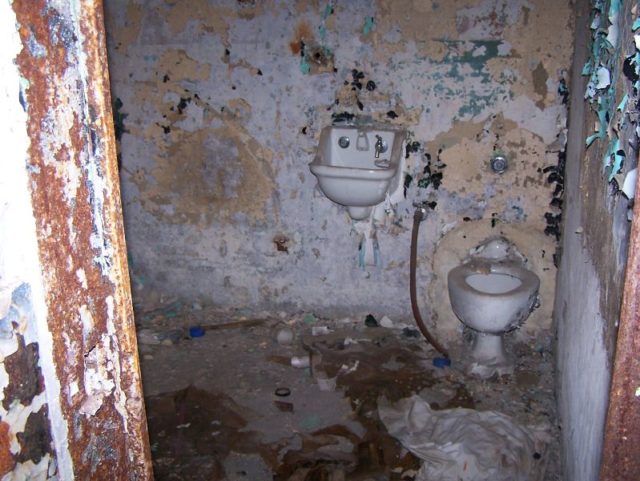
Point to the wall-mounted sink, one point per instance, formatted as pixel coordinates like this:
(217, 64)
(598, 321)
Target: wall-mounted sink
(358, 166)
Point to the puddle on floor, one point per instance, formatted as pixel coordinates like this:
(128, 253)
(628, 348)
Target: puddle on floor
(229, 405)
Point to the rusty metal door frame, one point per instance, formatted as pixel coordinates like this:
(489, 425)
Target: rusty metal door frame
(100, 431)
(621, 450)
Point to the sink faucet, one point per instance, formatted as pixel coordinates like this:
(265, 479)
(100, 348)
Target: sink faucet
(379, 146)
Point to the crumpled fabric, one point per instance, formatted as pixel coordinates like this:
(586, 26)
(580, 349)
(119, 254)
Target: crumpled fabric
(464, 444)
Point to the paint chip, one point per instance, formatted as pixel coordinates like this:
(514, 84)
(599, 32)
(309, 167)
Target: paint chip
(603, 77)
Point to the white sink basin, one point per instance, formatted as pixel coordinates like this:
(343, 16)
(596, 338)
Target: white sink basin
(349, 173)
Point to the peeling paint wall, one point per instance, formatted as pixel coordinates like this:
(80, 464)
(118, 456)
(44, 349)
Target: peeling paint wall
(70, 395)
(220, 105)
(596, 228)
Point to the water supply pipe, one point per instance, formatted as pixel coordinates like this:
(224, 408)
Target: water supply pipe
(418, 216)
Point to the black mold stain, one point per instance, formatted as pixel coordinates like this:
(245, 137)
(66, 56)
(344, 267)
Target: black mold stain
(629, 69)
(563, 91)
(118, 119)
(432, 174)
(408, 178)
(360, 105)
(357, 76)
(553, 224)
(166, 128)
(371, 86)
(165, 79)
(342, 117)
(411, 148)
(430, 178)
(304, 130)
(184, 101)
(259, 72)
(466, 219)
(392, 115)
(494, 219)
(555, 176)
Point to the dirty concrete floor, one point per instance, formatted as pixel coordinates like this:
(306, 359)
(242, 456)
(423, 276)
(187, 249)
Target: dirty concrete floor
(229, 406)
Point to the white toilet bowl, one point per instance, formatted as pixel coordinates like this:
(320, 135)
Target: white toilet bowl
(492, 293)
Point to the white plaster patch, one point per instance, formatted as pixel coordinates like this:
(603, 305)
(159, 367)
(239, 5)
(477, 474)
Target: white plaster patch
(86, 320)
(31, 471)
(73, 181)
(527, 115)
(82, 278)
(73, 389)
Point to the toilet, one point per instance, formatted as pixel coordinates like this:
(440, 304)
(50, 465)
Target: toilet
(492, 292)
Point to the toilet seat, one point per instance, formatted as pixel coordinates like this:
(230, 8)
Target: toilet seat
(528, 280)
(514, 310)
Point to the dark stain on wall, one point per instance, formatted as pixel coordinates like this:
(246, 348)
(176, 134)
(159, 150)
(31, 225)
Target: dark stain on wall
(25, 379)
(35, 440)
(25, 382)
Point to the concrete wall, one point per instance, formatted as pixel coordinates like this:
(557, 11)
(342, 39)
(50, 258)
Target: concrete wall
(595, 230)
(219, 108)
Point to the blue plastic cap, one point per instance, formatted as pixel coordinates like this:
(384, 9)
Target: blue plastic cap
(441, 362)
(196, 331)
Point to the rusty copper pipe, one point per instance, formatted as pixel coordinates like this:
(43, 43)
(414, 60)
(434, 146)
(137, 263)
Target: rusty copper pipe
(418, 216)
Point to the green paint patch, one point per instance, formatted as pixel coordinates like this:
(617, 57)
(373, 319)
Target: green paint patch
(368, 25)
(305, 66)
(328, 11)
(476, 57)
(476, 103)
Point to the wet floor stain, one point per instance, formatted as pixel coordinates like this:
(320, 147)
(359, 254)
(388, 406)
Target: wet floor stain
(193, 431)
(212, 434)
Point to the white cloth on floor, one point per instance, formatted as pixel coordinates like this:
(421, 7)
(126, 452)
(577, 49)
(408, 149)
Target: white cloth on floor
(464, 444)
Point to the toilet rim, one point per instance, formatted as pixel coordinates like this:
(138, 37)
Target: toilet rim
(529, 280)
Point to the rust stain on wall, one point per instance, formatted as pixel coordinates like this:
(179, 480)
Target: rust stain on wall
(303, 34)
(540, 78)
(208, 173)
(75, 197)
(6, 457)
(211, 18)
(130, 31)
(177, 65)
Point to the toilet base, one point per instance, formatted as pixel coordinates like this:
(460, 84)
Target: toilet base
(489, 356)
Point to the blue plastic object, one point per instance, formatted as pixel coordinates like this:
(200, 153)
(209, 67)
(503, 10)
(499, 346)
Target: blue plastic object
(441, 362)
(196, 331)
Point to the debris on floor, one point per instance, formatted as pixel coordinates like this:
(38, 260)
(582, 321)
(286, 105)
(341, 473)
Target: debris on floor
(297, 398)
